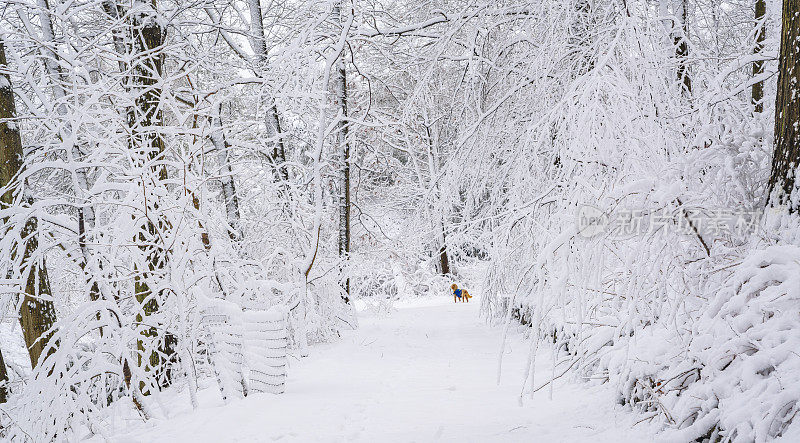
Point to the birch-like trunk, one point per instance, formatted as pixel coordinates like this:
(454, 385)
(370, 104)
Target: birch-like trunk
(86, 215)
(226, 175)
(114, 11)
(783, 188)
(343, 146)
(37, 313)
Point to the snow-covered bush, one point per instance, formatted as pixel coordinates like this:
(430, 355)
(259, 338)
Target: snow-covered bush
(745, 349)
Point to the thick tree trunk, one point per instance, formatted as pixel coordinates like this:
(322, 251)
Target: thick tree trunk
(782, 185)
(3, 379)
(758, 66)
(680, 35)
(226, 176)
(147, 144)
(37, 313)
(343, 145)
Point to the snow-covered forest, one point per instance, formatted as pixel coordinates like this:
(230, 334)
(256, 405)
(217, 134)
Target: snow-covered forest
(214, 209)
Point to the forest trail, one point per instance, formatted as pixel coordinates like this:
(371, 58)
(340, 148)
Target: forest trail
(426, 372)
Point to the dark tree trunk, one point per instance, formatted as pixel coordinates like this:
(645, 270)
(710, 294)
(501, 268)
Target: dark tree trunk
(273, 121)
(786, 158)
(580, 38)
(680, 36)
(278, 155)
(145, 119)
(37, 313)
(3, 379)
(343, 143)
(444, 260)
(758, 66)
(220, 143)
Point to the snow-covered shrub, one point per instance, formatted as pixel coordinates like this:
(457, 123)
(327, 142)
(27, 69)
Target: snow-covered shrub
(327, 312)
(745, 348)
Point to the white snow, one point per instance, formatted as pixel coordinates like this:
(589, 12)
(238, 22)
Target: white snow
(424, 373)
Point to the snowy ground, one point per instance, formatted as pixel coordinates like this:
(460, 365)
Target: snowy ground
(426, 373)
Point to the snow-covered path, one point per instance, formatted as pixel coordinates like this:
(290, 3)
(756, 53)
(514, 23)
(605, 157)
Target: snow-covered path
(425, 373)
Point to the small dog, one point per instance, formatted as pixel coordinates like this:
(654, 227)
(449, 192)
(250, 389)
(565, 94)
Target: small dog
(461, 295)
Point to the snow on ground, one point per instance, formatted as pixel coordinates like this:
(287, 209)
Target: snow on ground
(425, 373)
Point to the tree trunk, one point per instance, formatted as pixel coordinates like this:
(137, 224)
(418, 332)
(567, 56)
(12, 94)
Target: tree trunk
(114, 11)
(86, 215)
(580, 37)
(758, 66)
(680, 34)
(3, 379)
(37, 313)
(444, 261)
(273, 121)
(226, 176)
(343, 145)
(782, 188)
(147, 144)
